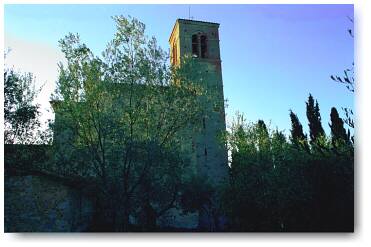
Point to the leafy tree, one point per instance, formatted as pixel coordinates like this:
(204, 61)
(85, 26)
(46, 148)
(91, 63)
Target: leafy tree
(258, 171)
(285, 188)
(314, 119)
(22, 124)
(119, 121)
(197, 194)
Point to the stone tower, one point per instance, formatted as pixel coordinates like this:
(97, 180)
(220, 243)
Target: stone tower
(209, 156)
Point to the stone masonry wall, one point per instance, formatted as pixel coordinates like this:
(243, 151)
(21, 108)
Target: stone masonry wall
(38, 204)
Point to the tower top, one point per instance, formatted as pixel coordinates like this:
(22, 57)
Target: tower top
(192, 22)
(200, 39)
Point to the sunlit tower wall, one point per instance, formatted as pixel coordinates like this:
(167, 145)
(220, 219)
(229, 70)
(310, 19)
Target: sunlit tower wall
(200, 40)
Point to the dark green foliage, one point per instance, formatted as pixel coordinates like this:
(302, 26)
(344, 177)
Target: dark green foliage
(196, 194)
(314, 119)
(280, 186)
(297, 136)
(338, 132)
(262, 128)
(21, 114)
(25, 158)
(118, 123)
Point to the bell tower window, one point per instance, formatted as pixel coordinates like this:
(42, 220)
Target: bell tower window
(203, 46)
(199, 45)
(195, 45)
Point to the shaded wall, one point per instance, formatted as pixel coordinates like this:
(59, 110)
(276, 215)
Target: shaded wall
(38, 204)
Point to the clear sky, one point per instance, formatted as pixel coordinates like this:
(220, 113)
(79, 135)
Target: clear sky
(273, 56)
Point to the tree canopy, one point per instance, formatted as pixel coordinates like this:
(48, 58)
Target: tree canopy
(119, 120)
(21, 113)
(288, 184)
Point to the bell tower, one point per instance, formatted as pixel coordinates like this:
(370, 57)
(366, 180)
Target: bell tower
(200, 40)
(197, 38)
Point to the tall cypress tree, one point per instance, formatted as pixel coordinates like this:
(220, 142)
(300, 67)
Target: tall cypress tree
(262, 127)
(297, 134)
(314, 119)
(263, 135)
(338, 132)
(263, 141)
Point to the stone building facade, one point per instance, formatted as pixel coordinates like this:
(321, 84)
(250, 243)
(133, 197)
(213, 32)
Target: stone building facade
(201, 40)
(72, 211)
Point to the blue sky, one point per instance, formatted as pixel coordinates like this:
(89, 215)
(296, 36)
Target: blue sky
(273, 56)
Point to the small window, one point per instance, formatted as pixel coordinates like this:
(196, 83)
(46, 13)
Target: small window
(203, 46)
(195, 45)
